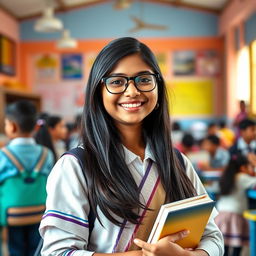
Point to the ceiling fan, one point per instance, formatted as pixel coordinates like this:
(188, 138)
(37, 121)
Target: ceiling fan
(140, 24)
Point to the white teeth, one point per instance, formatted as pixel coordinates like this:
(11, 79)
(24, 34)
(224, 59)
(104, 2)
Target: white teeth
(131, 105)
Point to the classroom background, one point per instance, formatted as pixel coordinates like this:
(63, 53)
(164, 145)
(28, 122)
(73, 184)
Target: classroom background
(206, 50)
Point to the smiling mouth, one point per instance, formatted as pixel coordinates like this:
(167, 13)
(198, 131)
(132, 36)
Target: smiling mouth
(131, 105)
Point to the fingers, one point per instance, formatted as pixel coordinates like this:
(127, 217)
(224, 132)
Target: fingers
(142, 244)
(178, 236)
(171, 238)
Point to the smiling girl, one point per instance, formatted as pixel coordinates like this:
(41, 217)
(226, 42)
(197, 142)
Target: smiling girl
(129, 163)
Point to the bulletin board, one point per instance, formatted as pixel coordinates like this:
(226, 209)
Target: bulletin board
(7, 56)
(190, 97)
(253, 79)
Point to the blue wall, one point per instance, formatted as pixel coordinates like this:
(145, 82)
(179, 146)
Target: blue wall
(250, 29)
(102, 21)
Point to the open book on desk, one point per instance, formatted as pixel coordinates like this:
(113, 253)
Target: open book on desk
(189, 214)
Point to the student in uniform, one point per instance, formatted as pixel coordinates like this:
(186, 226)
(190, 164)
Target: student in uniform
(129, 163)
(24, 167)
(232, 202)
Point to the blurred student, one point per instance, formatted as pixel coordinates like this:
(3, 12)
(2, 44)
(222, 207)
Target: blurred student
(74, 136)
(187, 144)
(246, 143)
(236, 179)
(219, 156)
(24, 167)
(58, 131)
(214, 129)
(52, 132)
(241, 115)
(177, 133)
(42, 135)
(227, 134)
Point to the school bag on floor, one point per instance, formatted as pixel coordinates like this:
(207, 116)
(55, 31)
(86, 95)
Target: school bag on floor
(23, 193)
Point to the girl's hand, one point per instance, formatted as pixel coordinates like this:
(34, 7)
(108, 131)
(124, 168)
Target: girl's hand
(165, 246)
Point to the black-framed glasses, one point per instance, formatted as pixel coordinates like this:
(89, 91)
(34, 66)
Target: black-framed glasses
(118, 84)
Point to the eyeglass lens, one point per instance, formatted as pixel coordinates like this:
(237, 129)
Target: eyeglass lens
(118, 84)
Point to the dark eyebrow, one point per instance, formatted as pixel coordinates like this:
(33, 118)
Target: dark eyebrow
(137, 74)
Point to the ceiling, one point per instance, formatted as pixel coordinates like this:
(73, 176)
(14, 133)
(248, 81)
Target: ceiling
(24, 9)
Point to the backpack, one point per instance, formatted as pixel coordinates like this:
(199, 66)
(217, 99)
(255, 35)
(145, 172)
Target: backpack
(23, 194)
(78, 153)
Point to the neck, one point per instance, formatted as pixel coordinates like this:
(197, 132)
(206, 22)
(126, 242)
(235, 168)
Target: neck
(132, 139)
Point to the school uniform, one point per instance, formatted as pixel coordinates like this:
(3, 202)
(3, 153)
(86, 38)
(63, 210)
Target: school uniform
(23, 238)
(220, 158)
(65, 227)
(241, 147)
(231, 207)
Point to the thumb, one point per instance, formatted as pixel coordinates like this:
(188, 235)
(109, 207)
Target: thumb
(178, 236)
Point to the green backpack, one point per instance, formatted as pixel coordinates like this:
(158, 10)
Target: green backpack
(23, 195)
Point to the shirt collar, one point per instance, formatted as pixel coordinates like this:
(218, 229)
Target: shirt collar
(19, 141)
(130, 156)
(241, 144)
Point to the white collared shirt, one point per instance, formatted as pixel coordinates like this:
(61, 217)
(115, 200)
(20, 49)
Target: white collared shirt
(64, 227)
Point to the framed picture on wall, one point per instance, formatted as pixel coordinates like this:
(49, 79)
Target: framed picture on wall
(184, 63)
(7, 55)
(72, 66)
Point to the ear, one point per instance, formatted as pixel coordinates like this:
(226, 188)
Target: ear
(13, 127)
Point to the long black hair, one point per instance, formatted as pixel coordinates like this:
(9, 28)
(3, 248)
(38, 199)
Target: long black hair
(227, 180)
(111, 185)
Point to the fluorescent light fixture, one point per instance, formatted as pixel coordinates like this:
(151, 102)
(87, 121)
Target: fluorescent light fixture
(66, 41)
(48, 23)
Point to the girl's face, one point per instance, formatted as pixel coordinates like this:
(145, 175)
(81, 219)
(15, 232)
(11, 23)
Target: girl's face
(60, 131)
(248, 169)
(131, 106)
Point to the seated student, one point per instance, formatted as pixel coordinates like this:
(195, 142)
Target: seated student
(74, 136)
(177, 133)
(219, 156)
(227, 134)
(246, 143)
(24, 167)
(187, 144)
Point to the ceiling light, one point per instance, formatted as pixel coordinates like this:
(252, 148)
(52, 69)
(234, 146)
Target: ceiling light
(66, 41)
(48, 23)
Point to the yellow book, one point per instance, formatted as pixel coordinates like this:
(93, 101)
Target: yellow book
(189, 214)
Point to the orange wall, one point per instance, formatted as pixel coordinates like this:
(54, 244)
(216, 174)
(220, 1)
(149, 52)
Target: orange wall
(28, 49)
(10, 28)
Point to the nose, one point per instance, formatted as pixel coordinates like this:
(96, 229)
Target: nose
(131, 90)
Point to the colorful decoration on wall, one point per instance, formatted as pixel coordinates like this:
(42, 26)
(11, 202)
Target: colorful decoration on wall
(184, 63)
(72, 66)
(207, 63)
(46, 67)
(162, 59)
(7, 56)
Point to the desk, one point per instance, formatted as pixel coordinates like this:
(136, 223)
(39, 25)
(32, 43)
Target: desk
(210, 180)
(210, 175)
